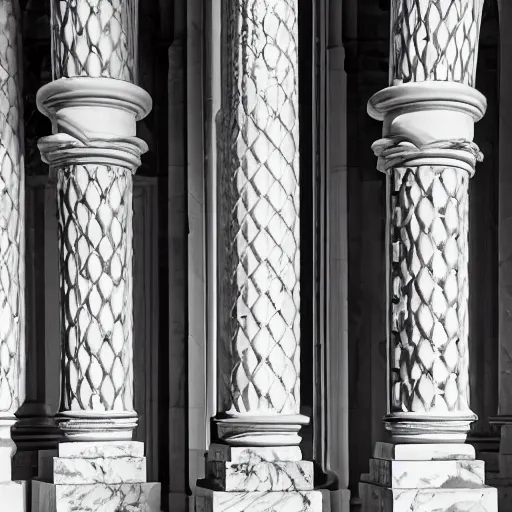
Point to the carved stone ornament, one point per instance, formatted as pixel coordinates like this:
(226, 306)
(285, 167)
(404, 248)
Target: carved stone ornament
(94, 153)
(428, 155)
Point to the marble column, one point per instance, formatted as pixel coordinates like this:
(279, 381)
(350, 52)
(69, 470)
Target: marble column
(255, 462)
(94, 104)
(12, 246)
(428, 155)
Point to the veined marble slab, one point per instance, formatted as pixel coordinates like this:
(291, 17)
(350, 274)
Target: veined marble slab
(448, 451)
(95, 450)
(262, 476)
(383, 499)
(295, 501)
(12, 497)
(95, 498)
(401, 474)
(120, 470)
(243, 454)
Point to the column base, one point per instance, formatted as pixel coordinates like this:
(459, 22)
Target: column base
(422, 478)
(87, 474)
(254, 479)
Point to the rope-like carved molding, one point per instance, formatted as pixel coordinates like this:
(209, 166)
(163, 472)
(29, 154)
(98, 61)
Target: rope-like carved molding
(397, 151)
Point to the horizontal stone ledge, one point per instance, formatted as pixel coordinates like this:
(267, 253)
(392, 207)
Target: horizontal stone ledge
(94, 450)
(119, 470)
(425, 451)
(208, 500)
(262, 476)
(376, 498)
(400, 474)
(48, 497)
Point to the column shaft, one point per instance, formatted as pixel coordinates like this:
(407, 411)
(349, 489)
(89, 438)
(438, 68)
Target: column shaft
(12, 215)
(259, 300)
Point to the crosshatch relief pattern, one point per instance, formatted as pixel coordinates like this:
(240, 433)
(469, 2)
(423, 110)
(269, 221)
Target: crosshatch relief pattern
(94, 38)
(260, 210)
(12, 269)
(429, 279)
(435, 40)
(95, 231)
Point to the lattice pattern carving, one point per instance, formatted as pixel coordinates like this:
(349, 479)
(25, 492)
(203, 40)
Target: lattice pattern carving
(94, 38)
(435, 40)
(12, 269)
(95, 233)
(260, 208)
(429, 279)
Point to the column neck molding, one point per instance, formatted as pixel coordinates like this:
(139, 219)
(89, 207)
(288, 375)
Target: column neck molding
(63, 149)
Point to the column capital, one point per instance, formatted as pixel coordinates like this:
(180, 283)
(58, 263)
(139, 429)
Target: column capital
(94, 108)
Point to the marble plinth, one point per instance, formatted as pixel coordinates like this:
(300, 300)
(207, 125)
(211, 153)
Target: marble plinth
(242, 454)
(95, 450)
(384, 499)
(261, 476)
(401, 474)
(141, 497)
(208, 500)
(12, 497)
(119, 470)
(448, 451)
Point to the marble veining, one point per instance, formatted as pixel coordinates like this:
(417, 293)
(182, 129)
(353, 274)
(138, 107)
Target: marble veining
(107, 471)
(108, 498)
(262, 476)
(448, 451)
(297, 501)
(94, 450)
(427, 474)
(381, 499)
(253, 455)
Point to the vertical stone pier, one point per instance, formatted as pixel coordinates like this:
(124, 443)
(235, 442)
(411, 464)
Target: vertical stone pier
(254, 462)
(94, 105)
(428, 155)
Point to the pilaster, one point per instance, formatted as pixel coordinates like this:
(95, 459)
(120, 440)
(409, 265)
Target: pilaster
(254, 462)
(428, 155)
(94, 107)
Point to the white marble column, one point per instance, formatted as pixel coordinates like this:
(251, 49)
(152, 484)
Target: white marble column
(94, 106)
(256, 463)
(12, 245)
(428, 154)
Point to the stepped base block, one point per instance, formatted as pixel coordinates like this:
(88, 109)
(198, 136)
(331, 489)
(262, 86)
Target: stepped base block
(208, 500)
(384, 499)
(141, 497)
(106, 449)
(120, 470)
(12, 497)
(261, 476)
(243, 454)
(448, 451)
(400, 474)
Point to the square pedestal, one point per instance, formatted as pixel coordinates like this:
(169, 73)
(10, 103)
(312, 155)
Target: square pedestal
(257, 479)
(106, 476)
(426, 477)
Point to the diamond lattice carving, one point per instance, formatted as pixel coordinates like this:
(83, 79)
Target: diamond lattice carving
(12, 271)
(260, 209)
(429, 279)
(435, 40)
(95, 230)
(94, 38)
